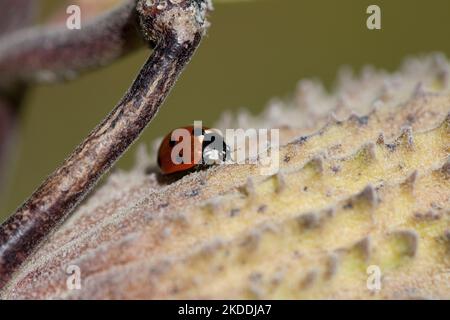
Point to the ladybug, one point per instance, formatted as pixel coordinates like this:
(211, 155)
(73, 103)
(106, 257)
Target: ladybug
(190, 148)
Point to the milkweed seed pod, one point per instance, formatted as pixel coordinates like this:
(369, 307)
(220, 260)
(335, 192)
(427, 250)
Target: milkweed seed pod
(364, 183)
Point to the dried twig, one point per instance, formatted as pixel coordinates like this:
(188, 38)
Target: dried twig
(176, 26)
(46, 54)
(43, 54)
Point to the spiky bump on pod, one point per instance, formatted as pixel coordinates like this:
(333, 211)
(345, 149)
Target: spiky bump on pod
(345, 198)
(181, 20)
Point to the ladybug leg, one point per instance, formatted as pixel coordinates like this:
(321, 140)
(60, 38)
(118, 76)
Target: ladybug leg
(176, 28)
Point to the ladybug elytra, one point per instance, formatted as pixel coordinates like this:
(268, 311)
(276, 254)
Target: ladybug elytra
(189, 148)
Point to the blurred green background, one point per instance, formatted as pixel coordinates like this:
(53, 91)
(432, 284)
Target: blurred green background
(254, 51)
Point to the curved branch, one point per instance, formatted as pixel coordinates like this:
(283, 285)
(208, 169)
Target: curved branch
(177, 27)
(47, 54)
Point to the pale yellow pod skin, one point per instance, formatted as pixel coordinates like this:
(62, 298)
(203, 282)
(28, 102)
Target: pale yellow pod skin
(354, 194)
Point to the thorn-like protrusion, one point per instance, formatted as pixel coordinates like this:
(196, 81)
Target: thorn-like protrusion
(444, 78)
(371, 151)
(342, 103)
(387, 92)
(410, 182)
(301, 140)
(381, 139)
(447, 240)
(411, 240)
(445, 169)
(316, 163)
(212, 247)
(429, 215)
(442, 67)
(309, 220)
(364, 246)
(251, 241)
(255, 287)
(330, 212)
(446, 122)
(331, 266)
(249, 187)
(419, 91)
(368, 152)
(359, 120)
(309, 280)
(308, 91)
(367, 195)
(406, 137)
(215, 205)
(333, 119)
(280, 182)
(277, 278)
(447, 235)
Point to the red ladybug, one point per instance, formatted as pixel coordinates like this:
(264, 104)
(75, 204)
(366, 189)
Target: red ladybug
(206, 147)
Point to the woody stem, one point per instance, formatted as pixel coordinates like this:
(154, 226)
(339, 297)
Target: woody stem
(50, 204)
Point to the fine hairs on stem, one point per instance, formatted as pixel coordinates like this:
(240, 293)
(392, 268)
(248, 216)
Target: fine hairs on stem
(175, 28)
